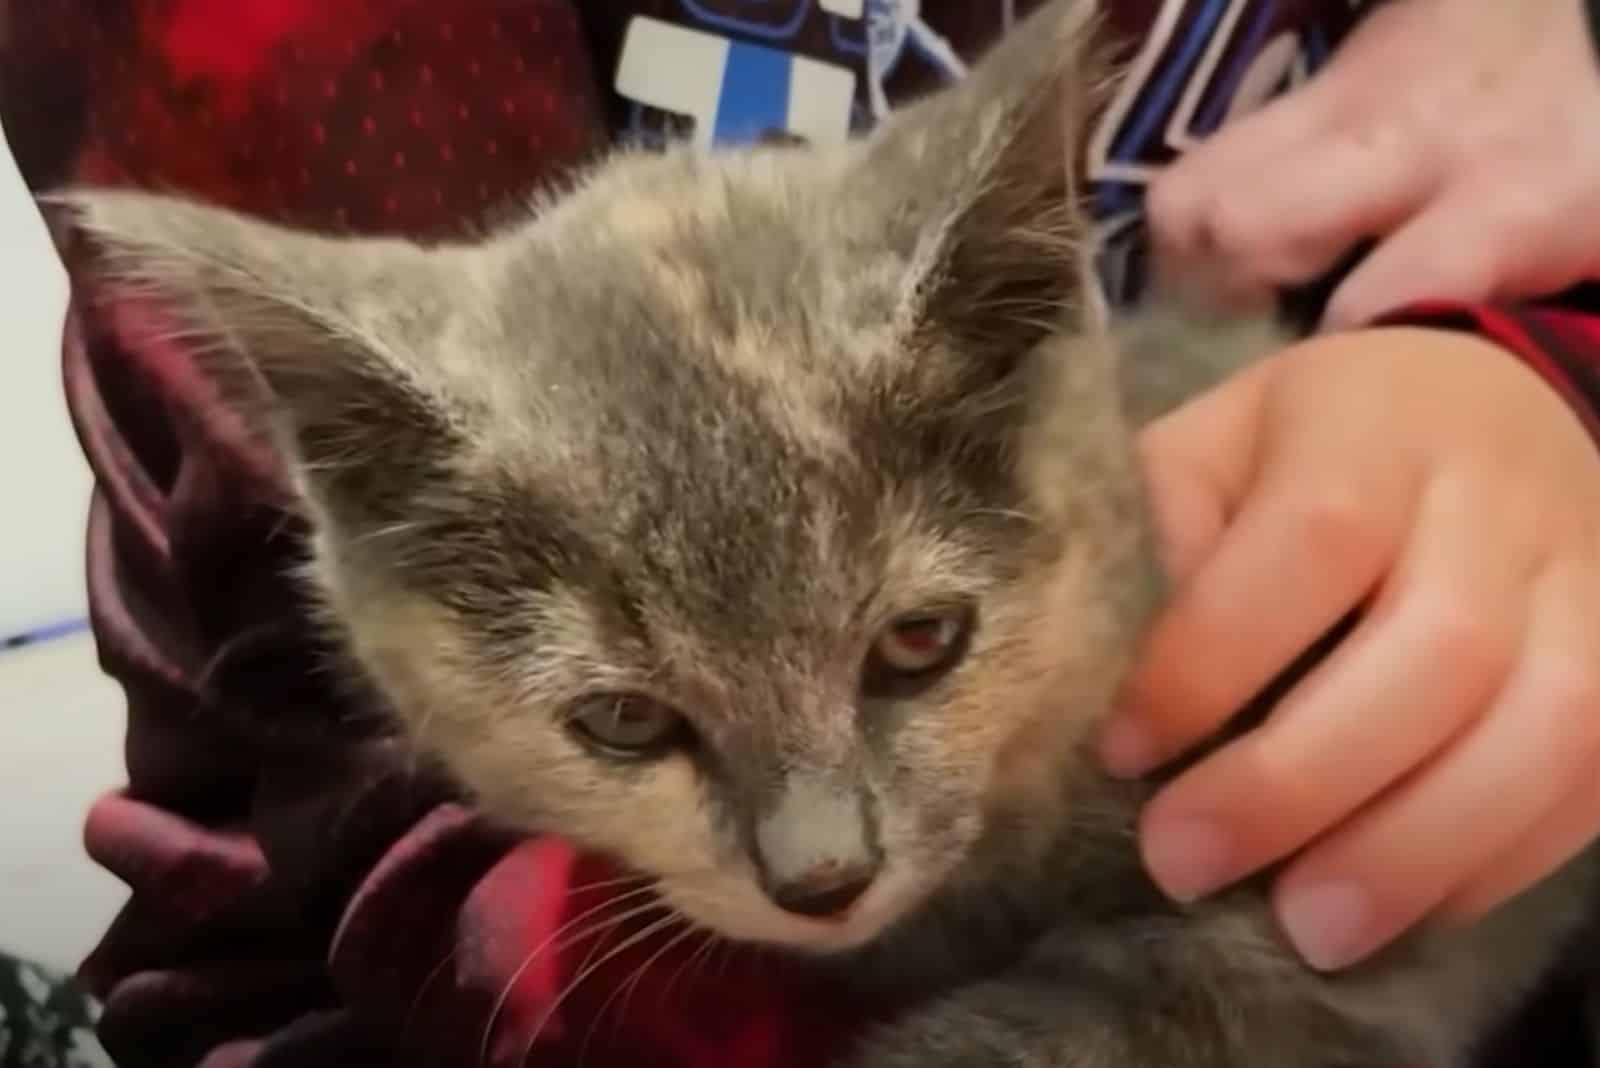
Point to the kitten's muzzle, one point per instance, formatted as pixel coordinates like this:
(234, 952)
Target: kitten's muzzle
(817, 848)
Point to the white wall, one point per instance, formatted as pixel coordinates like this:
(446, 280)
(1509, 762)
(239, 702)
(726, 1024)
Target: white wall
(44, 483)
(61, 720)
(61, 724)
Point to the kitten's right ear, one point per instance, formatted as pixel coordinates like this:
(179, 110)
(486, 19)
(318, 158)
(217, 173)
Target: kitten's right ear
(977, 186)
(315, 340)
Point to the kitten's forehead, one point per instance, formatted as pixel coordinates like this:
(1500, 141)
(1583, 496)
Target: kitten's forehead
(747, 259)
(696, 362)
(675, 383)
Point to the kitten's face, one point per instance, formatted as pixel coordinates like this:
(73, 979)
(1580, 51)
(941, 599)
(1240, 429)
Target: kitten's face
(733, 578)
(759, 521)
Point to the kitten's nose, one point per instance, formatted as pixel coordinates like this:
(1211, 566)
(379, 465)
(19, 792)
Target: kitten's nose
(825, 891)
(816, 850)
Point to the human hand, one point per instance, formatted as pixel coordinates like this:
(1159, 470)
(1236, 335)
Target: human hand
(1445, 755)
(1463, 136)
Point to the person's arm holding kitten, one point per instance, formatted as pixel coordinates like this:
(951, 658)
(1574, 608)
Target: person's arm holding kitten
(296, 885)
(1445, 756)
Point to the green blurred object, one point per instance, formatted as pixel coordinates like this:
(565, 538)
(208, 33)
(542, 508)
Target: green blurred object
(45, 1020)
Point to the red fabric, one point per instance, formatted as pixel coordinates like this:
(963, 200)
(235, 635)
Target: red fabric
(400, 116)
(645, 990)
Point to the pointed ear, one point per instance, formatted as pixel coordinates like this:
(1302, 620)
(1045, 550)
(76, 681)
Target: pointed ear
(316, 341)
(983, 178)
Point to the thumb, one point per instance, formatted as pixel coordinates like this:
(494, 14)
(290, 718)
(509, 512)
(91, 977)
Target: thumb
(1438, 255)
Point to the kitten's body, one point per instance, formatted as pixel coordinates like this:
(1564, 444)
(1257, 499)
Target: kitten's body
(700, 432)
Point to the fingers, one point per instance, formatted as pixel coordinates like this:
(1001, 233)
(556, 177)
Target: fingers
(1442, 254)
(1279, 197)
(1560, 836)
(1475, 803)
(1496, 237)
(1574, 821)
(1379, 707)
(1181, 199)
(1196, 462)
(1284, 575)
(1297, 558)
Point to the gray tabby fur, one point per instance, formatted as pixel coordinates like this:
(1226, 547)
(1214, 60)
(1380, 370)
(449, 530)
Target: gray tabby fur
(698, 427)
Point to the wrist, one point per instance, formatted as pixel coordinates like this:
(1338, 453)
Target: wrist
(1523, 336)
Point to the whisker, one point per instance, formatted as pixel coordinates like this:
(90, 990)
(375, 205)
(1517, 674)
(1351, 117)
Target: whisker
(522, 969)
(610, 923)
(700, 955)
(604, 884)
(427, 981)
(461, 944)
(633, 984)
(732, 948)
(650, 931)
(626, 989)
(205, 678)
(399, 529)
(1004, 513)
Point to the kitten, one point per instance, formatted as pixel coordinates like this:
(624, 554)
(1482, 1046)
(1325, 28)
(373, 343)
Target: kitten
(769, 521)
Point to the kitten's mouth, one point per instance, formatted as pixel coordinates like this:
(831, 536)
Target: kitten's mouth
(747, 916)
(883, 903)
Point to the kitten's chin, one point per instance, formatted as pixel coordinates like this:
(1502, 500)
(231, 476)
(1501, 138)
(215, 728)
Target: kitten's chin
(739, 911)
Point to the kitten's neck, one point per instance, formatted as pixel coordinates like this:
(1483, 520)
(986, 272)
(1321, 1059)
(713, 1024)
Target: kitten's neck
(1169, 353)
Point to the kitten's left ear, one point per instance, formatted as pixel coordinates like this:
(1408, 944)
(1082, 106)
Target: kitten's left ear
(321, 343)
(978, 185)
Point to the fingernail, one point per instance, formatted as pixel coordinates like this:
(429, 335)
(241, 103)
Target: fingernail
(1127, 749)
(1327, 922)
(1188, 858)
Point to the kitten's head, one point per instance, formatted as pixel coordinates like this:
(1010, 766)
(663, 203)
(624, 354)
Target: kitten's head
(765, 520)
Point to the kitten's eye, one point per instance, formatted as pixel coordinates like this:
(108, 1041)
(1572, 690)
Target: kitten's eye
(628, 725)
(917, 648)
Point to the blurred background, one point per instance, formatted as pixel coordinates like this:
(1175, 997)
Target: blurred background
(61, 721)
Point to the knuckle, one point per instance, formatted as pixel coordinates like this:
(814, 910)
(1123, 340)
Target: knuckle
(1268, 772)
(1204, 707)
(1338, 526)
(1523, 213)
(1518, 223)
(1571, 686)
(1475, 267)
(1280, 792)
(1481, 271)
(1173, 207)
(1460, 635)
(1236, 229)
(1357, 133)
